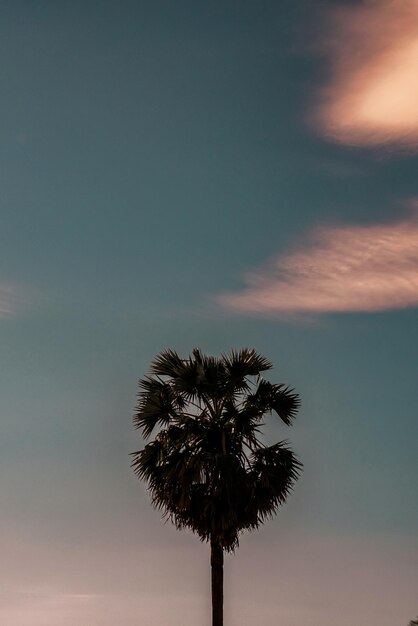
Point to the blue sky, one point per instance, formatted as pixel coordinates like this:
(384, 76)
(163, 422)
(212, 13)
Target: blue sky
(215, 174)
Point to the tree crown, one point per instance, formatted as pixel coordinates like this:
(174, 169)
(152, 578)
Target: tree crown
(206, 468)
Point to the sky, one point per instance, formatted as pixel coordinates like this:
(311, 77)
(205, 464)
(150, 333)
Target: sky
(216, 174)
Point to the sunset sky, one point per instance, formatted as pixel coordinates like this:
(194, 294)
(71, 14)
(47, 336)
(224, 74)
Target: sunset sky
(216, 174)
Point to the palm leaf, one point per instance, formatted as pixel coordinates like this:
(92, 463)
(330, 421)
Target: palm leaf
(157, 404)
(270, 397)
(245, 362)
(167, 363)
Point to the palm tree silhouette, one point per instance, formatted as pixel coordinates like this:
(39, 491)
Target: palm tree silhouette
(206, 468)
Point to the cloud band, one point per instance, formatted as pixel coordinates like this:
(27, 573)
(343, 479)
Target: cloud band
(349, 268)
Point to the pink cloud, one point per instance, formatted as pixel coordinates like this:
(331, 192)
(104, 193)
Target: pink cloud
(346, 268)
(372, 94)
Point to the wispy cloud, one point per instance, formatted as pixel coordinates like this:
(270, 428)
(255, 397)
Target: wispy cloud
(372, 94)
(8, 298)
(345, 268)
(47, 608)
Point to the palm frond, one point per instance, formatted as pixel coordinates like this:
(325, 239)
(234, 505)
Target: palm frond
(167, 363)
(270, 397)
(213, 376)
(275, 469)
(286, 403)
(245, 362)
(157, 404)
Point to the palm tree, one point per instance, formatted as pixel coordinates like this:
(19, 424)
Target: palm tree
(206, 468)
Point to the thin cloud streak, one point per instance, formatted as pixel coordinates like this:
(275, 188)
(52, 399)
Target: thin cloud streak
(372, 95)
(341, 269)
(7, 300)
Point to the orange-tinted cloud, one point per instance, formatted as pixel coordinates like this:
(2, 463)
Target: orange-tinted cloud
(346, 268)
(372, 94)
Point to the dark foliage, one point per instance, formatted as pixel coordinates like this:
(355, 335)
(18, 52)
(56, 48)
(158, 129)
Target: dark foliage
(206, 468)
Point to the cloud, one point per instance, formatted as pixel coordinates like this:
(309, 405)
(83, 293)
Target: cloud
(7, 300)
(346, 268)
(371, 97)
(47, 608)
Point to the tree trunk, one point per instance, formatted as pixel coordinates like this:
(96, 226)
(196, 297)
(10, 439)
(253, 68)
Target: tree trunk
(217, 565)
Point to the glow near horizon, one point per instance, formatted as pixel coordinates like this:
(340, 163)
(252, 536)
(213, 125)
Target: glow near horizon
(265, 582)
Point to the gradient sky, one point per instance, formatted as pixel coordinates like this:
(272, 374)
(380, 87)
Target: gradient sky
(215, 174)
